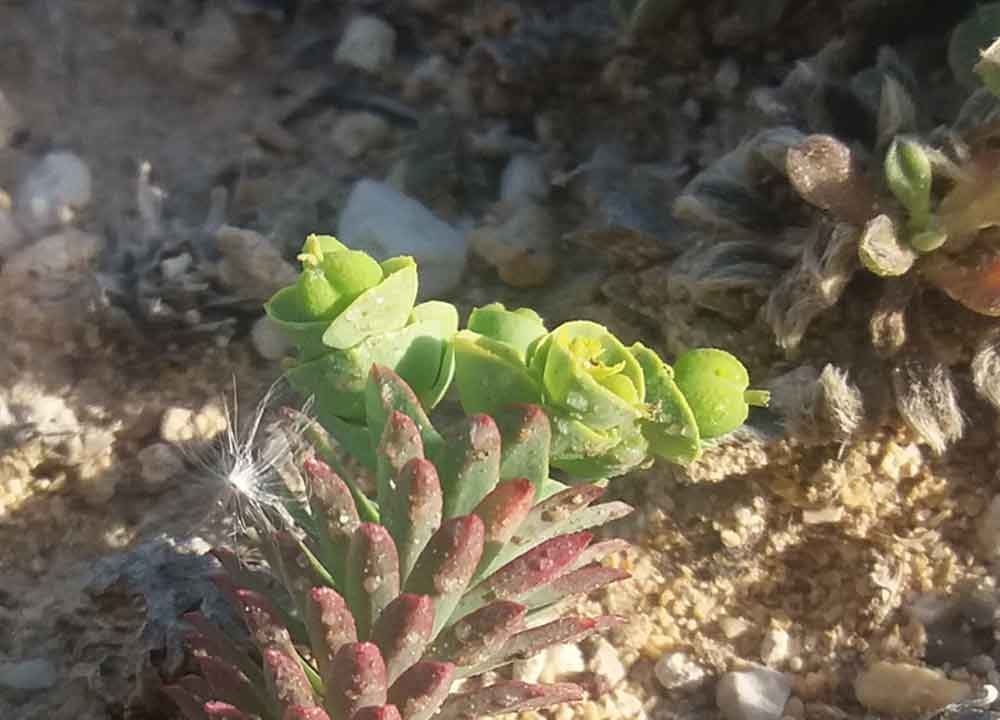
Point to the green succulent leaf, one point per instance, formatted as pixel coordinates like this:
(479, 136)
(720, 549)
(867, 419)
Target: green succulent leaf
(516, 328)
(490, 374)
(671, 428)
(379, 309)
(350, 273)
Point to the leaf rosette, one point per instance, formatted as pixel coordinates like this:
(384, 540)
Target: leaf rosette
(347, 312)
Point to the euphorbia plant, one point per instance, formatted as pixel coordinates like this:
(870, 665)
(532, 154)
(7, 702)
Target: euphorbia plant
(455, 568)
(613, 407)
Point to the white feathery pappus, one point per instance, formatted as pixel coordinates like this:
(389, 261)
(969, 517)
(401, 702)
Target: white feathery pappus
(252, 466)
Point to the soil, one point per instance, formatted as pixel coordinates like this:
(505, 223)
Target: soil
(834, 544)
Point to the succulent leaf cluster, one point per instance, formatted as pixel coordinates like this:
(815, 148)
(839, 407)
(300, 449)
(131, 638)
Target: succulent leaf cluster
(347, 312)
(612, 407)
(380, 609)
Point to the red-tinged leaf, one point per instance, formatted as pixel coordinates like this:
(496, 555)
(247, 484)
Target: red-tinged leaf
(419, 692)
(507, 697)
(287, 681)
(264, 622)
(208, 639)
(559, 632)
(470, 468)
(297, 712)
(386, 391)
(400, 443)
(385, 712)
(191, 706)
(403, 632)
(503, 510)
(372, 575)
(357, 679)
(535, 568)
(527, 438)
(230, 685)
(420, 512)
(334, 512)
(565, 512)
(600, 550)
(478, 636)
(330, 625)
(446, 564)
(216, 710)
(576, 582)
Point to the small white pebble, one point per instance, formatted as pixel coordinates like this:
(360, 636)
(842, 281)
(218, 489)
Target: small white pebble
(354, 134)
(679, 671)
(368, 43)
(755, 694)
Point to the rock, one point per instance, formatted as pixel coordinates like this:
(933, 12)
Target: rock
(561, 661)
(904, 690)
(733, 627)
(41, 285)
(35, 674)
(777, 648)
(179, 425)
(606, 663)
(901, 462)
(380, 220)
(53, 191)
(519, 244)
(368, 43)
(213, 45)
(755, 694)
(10, 121)
(430, 77)
(251, 265)
(354, 134)
(158, 464)
(679, 671)
(268, 339)
(523, 180)
(529, 670)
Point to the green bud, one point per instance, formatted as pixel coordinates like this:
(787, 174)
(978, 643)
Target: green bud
(317, 299)
(908, 174)
(715, 385)
(351, 272)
